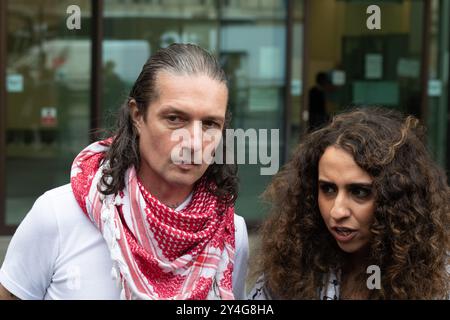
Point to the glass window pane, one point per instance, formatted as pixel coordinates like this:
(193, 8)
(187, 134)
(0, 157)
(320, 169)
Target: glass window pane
(367, 66)
(297, 123)
(133, 30)
(48, 80)
(255, 64)
(438, 77)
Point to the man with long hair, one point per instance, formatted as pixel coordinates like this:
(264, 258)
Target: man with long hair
(133, 223)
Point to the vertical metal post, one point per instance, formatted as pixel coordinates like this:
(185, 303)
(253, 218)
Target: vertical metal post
(3, 7)
(287, 110)
(425, 63)
(96, 67)
(4, 229)
(306, 57)
(445, 15)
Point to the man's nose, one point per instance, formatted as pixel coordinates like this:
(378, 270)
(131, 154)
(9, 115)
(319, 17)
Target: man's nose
(196, 136)
(341, 208)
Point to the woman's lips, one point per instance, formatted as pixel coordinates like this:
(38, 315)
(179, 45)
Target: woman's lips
(343, 234)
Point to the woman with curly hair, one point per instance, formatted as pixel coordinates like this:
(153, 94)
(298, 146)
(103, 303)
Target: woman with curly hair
(362, 191)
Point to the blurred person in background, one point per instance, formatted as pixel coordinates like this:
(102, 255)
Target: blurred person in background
(318, 115)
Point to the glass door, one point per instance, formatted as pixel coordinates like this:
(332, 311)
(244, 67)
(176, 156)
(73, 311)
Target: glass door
(438, 93)
(367, 66)
(247, 36)
(47, 98)
(134, 30)
(253, 53)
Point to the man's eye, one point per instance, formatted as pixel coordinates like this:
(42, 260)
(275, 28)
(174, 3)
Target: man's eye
(210, 124)
(174, 119)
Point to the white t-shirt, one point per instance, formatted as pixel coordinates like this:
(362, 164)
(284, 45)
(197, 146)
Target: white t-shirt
(58, 253)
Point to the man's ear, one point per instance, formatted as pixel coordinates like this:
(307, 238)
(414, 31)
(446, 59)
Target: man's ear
(135, 114)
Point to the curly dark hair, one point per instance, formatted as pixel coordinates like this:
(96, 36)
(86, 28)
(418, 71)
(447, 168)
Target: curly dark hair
(410, 233)
(178, 59)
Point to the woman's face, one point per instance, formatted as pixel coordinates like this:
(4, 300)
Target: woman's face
(346, 199)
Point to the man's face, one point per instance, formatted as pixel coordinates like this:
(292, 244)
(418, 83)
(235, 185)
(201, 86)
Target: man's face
(193, 104)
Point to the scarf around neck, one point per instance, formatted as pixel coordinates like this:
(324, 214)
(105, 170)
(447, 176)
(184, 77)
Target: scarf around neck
(157, 252)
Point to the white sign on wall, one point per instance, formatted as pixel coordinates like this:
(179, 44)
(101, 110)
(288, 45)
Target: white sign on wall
(338, 77)
(374, 66)
(434, 88)
(14, 83)
(49, 117)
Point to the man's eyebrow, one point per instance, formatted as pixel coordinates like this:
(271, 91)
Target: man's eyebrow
(172, 109)
(214, 118)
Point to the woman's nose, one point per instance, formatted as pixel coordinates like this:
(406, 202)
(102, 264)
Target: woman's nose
(341, 208)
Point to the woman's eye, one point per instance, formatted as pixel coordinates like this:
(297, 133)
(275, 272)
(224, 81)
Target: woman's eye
(361, 193)
(327, 188)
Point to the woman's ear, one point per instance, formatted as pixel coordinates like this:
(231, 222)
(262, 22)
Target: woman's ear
(135, 115)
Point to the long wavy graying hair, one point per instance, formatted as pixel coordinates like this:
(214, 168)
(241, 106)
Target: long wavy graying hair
(178, 59)
(410, 233)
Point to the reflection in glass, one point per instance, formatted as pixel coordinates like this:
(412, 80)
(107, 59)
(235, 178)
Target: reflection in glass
(380, 67)
(438, 121)
(48, 74)
(133, 30)
(252, 50)
(247, 36)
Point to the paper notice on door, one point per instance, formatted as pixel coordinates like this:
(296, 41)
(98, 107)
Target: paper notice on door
(14, 82)
(409, 68)
(434, 88)
(338, 77)
(374, 66)
(270, 62)
(296, 87)
(49, 117)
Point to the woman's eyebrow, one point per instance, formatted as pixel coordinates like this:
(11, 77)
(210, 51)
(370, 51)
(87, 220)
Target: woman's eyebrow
(361, 184)
(325, 181)
(352, 184)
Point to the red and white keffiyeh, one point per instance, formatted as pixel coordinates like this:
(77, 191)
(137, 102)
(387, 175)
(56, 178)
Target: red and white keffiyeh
(157, 252)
